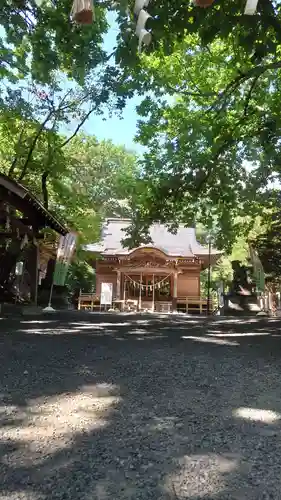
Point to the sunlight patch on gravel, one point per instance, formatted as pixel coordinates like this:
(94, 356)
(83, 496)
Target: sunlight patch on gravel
(218, 333)
(21, 495)
(200, 475)
(211, 340)
(50, 424)
(257, 415)
(37, 321)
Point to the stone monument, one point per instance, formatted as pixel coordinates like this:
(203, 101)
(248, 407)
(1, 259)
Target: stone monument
(242, 298)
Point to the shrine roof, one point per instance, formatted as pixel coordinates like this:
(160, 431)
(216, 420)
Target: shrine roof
(181, 244)
(22, 199)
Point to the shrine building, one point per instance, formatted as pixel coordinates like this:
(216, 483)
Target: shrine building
(23, 219)
(163, 275)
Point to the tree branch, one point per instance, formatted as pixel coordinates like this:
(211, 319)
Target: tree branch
(249, 95)
(230, 140)
(45, 189)
(30, 152)
(78, 127)
(53, 111)
(47, 170)
(192, 94)
(241, 78)
(14, 162)
(231, 87)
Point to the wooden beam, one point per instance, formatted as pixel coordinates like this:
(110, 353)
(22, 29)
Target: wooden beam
(24, 221)
(22, 206)
(25, 201)
(9, 234)
(12, 234)
(18, 228)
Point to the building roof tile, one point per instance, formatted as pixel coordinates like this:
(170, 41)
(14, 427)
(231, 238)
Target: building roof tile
(181, 244)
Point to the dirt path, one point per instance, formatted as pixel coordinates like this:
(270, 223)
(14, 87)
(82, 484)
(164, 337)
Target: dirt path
(107, 409)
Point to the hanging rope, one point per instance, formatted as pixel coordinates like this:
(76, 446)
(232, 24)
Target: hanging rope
(138, 284)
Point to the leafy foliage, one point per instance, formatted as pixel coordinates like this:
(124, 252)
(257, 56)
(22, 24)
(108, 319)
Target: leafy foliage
(39, 41)
(80, 181)
(44, 39)
(81, 275)
(256, 36)
(105, 172)
(268, 244)
(222, 273)
(211, 123)
(212, 131)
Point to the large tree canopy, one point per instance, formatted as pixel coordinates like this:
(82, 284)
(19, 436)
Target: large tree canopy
(258, 35)
(39, 41)
(212, 132)
(211, 124)
(81, 181)
(42, 40)
(268, 243)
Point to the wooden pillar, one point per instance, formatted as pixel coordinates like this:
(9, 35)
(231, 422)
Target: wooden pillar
(124, 287)
(140, 291)
(175, 291)
(118, 285)
(153, 294)
(37, 273)
(32, 266)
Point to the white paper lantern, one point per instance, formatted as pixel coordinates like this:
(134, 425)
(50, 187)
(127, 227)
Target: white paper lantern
(251, 7)
(139, 5)
(82, 11)
(144, 36)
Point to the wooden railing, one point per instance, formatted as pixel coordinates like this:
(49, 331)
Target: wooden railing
(190, 305)
(194, 305)
(88, 301)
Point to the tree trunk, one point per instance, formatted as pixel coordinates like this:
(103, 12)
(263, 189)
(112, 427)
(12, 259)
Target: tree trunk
(45, 189)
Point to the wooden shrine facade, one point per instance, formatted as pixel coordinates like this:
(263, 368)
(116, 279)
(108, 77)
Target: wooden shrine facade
(151, 275)
(149, 278)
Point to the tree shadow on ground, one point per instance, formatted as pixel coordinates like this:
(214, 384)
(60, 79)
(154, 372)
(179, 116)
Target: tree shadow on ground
(139, 410)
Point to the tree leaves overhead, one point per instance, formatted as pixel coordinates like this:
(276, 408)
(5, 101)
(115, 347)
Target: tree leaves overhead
(257, 35)
(211, 122)
(211, 125)
(212, 132)
(42, 40)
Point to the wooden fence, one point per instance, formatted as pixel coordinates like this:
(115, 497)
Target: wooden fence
(189, 305)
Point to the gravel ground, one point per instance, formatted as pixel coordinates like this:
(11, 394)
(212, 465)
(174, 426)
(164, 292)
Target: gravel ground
(121, 407)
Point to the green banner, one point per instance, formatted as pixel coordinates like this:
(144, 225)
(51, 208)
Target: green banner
(60, 273)
(64, 254)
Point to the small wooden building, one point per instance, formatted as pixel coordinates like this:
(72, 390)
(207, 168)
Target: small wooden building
(162, 276)
(22, 219)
